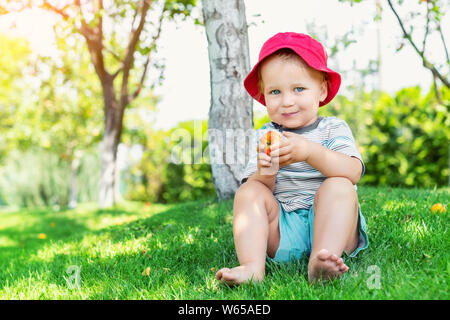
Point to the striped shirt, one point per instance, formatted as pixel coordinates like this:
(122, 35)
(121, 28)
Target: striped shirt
(296, 184)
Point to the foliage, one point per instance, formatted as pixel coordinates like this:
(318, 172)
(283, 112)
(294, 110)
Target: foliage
(14, 54)
(172, 168)
(65, 116)
(57, 117)
(403, 139)
(192, 178)
(418, 23)
(120, 36)
(38, 177)
(259, 120)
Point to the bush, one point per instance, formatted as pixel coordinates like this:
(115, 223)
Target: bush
(170, 171)
(403, 139)
(41, 178)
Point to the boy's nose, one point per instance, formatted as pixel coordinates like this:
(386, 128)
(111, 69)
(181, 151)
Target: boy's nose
(288, 100)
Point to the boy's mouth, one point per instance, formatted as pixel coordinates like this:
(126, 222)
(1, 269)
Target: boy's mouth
(289, 114)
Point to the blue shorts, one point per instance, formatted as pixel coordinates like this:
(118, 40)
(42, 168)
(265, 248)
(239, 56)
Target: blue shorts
(296, 234)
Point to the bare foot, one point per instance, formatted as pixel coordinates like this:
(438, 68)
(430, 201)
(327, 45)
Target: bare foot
(238, 275)
(325, 266)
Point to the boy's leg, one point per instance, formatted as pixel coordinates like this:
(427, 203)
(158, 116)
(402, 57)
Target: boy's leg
(255, 227)
(335, 228)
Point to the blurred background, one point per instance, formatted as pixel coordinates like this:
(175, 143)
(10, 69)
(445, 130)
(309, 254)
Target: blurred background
(52, 118)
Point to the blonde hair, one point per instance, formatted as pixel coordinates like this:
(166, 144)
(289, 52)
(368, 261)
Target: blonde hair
(285, 54)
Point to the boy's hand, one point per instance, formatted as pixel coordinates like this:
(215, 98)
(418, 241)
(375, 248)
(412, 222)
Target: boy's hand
(293, 149)
(267, 165)
(264, 161)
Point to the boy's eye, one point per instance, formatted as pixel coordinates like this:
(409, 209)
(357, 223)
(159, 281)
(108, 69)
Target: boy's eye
(298, 89)
(276, 91)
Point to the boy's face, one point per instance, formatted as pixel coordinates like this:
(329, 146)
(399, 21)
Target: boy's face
(292, 91)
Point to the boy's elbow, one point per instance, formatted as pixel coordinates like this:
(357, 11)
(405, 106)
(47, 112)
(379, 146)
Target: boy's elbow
(355, 179)
(356, 174)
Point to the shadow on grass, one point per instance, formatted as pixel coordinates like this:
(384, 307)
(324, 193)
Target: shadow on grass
(47, 227)
(112, 211)
(169, 228)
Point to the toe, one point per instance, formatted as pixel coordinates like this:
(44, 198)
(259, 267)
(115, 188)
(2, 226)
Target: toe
(220, 273)
(340, 263)
(323, 254)
(343, 268)
(334, 258)
(228, 276)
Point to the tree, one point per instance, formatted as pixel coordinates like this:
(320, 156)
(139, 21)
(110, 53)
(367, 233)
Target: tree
(50, 105)
(432, 10)
(230, 114)
(433, 15)
(121, 79)
(14, 54)
(66, 119)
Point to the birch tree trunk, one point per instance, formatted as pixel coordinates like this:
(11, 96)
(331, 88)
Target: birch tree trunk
(230, 115)
(73, 188)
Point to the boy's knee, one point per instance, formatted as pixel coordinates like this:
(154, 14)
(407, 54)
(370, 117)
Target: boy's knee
(250, 190)
(338, 187)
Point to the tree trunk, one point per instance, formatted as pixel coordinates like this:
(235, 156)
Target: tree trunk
(117, 173)
(230, 113)
(109, 144)
(108, 164)
(73, 190)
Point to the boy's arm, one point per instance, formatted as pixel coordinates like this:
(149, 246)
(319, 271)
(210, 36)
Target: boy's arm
(332, 163)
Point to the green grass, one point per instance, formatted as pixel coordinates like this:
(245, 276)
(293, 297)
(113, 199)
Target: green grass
(182, 243)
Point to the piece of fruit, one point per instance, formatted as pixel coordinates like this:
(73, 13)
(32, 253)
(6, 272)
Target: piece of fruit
(439, 208)
(146, 272)
(270, 138)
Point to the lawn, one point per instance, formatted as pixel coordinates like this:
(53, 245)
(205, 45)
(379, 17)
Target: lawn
(155, 251)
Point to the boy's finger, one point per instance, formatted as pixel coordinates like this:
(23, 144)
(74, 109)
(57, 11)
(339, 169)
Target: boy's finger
(284, 159)
(264, 156)
(264, 160)
(278, 152)
(260, 147)
(275, 146)
(282, 143)
(265, 163)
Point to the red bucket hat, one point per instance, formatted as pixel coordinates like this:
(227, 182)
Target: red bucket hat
(310, 50)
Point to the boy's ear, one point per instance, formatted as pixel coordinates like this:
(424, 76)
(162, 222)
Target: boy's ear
(323, 90)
